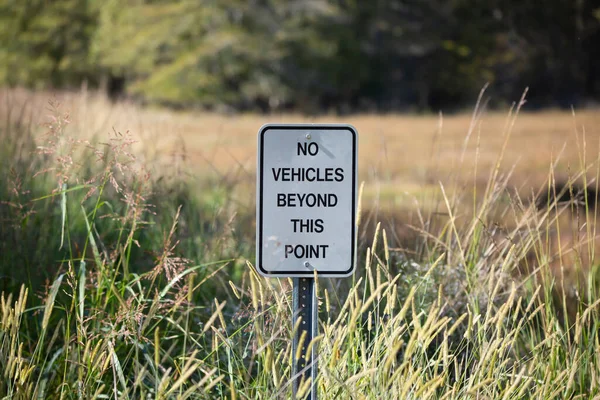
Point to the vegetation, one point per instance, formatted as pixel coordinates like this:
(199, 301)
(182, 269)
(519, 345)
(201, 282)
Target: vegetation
(122, 284)
(311, 55)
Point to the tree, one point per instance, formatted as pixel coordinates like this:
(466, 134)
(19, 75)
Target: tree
(239, 53)
(312, 55)
(46, 43)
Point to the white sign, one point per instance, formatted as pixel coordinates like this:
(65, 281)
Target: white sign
(306, 200)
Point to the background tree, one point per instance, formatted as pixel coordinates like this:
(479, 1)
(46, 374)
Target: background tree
(47, 43)
(313, 55)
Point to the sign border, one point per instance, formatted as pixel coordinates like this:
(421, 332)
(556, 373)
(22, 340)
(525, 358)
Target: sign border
(259, 203)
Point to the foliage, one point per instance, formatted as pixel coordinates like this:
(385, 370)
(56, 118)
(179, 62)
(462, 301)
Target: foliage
(312, 55)
(47, 43)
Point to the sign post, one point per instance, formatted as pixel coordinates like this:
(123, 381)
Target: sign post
(305, 208)
(304, 304)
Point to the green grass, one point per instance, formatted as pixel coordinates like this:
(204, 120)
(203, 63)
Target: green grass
(118, 284)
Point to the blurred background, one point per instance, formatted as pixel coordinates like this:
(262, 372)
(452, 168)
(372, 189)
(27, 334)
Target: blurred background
(164, 98)
(312, 56)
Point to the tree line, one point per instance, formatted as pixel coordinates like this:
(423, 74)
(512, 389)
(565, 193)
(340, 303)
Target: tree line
(310, 55)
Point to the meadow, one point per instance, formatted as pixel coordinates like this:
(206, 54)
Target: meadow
(127, 243)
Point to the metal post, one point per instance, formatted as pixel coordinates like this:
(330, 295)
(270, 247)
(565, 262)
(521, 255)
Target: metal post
(304, 302)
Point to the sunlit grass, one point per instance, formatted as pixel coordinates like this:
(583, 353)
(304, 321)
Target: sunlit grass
(119, 283)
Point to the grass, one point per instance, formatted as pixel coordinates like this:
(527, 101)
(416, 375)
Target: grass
(123, 278)
(400, 155)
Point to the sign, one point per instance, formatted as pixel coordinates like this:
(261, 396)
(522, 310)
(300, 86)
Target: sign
(306, 200)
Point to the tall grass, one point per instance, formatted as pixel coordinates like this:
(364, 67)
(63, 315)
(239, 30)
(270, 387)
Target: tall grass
(118, 284)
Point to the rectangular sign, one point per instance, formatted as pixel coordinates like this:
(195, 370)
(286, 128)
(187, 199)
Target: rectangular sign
(306, 200)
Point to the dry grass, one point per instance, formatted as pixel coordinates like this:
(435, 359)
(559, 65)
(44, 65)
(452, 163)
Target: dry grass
(469, 309)
(400, 155)
(404, 160)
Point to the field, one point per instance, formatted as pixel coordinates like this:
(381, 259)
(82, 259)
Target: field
(398, 153)
(127, 239)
